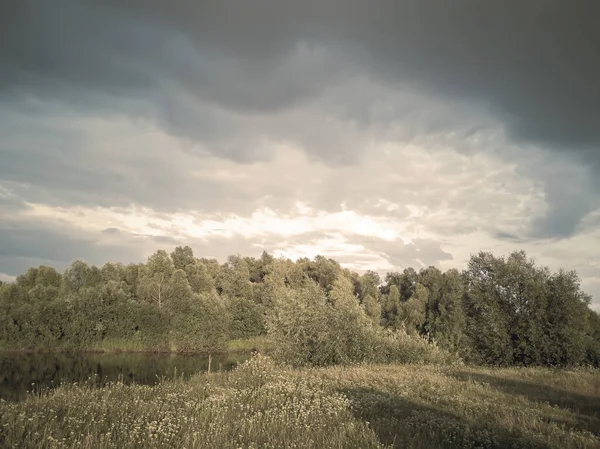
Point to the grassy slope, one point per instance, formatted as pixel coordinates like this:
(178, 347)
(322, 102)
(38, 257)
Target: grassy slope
(261, 405)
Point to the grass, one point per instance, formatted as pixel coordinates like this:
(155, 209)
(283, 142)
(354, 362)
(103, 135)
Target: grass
(246, 345)
(372, 406)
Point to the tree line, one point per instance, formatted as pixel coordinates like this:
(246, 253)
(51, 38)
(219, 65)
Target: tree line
(498, 311)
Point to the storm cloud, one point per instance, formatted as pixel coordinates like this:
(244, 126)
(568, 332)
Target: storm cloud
(444, 127)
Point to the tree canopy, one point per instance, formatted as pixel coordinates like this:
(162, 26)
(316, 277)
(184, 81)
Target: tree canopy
(498, 311)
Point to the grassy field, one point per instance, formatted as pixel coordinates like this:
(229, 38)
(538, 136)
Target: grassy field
(266, 406)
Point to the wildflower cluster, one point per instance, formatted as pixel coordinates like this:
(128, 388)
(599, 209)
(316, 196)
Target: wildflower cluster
(257, 405)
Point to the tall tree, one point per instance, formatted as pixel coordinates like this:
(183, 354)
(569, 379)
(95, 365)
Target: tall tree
(446, 320)
(489, 321)
(77, 276)
(182, 257)
(412, 313)
(391, 308)
(154, 282)
(567, 320)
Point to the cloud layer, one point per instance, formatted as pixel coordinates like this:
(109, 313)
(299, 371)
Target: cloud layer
(384, 134)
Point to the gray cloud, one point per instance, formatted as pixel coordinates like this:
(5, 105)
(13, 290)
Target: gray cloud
(419, 253)
(24, 248)
(33, 245)
(231, 77)
(533, 65)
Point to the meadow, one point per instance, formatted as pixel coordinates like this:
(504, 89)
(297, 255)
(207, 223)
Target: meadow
(265, 405)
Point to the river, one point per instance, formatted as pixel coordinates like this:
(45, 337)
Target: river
(21, 372)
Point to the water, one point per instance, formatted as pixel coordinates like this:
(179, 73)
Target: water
(18, 371)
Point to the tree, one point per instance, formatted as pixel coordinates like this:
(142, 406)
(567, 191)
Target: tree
(568, 317)
(81, 275)
(391, 308)
(155, 279)
(112, 272)
(412, 312)
(131, 276)
(197, 274)
(593, 349)
(199, 278)
(524, 293)
(200, 325)
(246, 318)
(234, 278)
(178, 291)
(259, 268)
(446, 320)
(488, 326)
(405, 281)
(309, 327)
(323, 271)
(40, 284)
(182, 257)
(372, 309)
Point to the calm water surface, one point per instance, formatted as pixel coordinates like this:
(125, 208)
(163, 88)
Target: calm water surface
(18, 371)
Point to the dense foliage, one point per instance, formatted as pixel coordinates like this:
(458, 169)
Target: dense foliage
(499, 311)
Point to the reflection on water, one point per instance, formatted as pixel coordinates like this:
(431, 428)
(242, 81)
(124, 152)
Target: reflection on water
(18, 371)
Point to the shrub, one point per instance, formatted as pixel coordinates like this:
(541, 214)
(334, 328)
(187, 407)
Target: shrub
(309, 328)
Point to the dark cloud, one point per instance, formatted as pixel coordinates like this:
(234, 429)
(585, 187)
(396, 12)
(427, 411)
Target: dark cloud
(219, 73)
(535, 65)
(30, 246)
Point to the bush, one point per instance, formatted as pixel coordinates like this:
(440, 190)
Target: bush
(200, 326)
(309, 328)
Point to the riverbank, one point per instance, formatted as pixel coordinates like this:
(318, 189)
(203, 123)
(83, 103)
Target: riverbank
(263, 405)
(240, 346)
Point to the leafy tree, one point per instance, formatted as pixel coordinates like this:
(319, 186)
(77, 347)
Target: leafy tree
(76, 276)
(405, 282)
(212, 267)
(131, 276)
(155, 281)
(489, 321)
(568, 317)
(412, 312)
(199, 278)
(391, 308)
(196, 272)
(525, 297)
(372, 309)
(182, 257)
(234, 279)
(446, 320)
(112, 272)
(246, 318)
(40, 284)
(323, 271)
(200, 324)
(593, 350)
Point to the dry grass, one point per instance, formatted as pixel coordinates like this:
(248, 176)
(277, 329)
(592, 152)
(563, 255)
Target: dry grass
(428, 407)
(262, 405)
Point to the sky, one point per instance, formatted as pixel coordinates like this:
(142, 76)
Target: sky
(383, 134)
